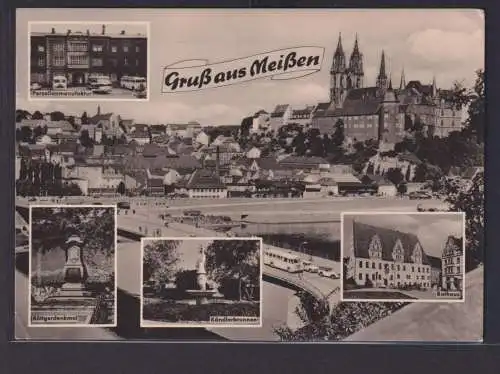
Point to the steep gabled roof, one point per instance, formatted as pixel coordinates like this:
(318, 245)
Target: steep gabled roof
(203, 178)
(363, 235)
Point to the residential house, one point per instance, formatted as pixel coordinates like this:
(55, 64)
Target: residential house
(379, 164)
(253, 153)
(127, 125)
(260, 122)
(109, 122)
(158, 130)
(452, 262)
(95, 132)
(140, 136)
(384, 257)
(203, 184)
(184, 130)
(202, 139)
(302, 117)
(384, 187)
(280, 117)
(305, 163)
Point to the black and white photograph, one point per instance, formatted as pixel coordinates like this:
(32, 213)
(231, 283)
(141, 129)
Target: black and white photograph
(88, 60)
(195, 282)
(72, 266)
(373, 111)
(403, 257)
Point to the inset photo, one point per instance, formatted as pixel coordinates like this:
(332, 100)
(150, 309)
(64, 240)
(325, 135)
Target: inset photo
(403, 257)
(72, 266)
(201, 282)
(89, 60)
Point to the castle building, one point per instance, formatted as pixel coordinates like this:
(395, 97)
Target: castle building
(381, 112)
(382, 257)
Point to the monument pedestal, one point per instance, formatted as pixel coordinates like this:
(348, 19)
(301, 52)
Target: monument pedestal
(73, 305)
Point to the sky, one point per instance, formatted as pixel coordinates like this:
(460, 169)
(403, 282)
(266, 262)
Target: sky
(431, 229)
(447, 44)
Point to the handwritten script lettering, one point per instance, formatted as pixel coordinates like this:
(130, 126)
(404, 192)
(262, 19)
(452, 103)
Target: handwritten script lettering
(281, 64)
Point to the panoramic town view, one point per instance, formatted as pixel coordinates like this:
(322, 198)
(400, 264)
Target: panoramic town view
(377, 133)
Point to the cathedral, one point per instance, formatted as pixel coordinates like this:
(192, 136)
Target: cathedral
(381, 112)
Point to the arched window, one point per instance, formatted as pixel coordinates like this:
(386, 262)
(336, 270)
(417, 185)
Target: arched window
(375, 248)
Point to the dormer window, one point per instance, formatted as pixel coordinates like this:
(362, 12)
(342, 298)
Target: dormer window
(398, 252)
(375, 248)
(417, 254)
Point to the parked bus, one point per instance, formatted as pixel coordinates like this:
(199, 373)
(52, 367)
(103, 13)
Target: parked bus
(283, 260)
(133, 83)
(59, 82)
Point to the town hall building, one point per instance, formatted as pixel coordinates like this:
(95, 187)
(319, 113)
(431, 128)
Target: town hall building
(386, 258)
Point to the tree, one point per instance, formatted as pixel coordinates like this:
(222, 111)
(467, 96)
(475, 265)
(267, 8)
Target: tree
(234, 259)
(470, 200)
(85, 139)
(37, 131)
(57, 116)
(408, 173)
(26, 134)
(93, 224)
(476, 112)
(338, 136)
(395, 176)
(85, 119)
(121, 188)
(160, 260)
(246, 125)
(37, 115)
(22, 114)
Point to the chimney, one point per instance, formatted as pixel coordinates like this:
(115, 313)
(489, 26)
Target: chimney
(103, 29)
(88, 32)
(217, 161)
(53, 31)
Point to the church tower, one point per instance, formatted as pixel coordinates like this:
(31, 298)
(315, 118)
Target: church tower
(402, 84)
(338, 75)
(382, 76)
(356, 73)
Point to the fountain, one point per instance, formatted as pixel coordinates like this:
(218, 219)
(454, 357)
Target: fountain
(203, 295)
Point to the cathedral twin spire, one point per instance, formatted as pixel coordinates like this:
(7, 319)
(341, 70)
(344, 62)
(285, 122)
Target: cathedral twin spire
(343, 77)
(355, 61)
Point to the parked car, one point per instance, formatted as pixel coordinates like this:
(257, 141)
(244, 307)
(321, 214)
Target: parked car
(310, 267)
(35, 86)
(419, 195)
(328, 273)
(141, 94)
(100, 85)
(123, 205)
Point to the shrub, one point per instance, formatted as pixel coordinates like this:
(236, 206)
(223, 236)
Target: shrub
(169, 312)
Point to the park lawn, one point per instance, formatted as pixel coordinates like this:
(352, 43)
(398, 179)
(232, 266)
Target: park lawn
(380, 295)
(165, 311)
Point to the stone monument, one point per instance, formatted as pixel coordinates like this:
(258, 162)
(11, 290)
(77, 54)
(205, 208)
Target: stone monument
(73, 304)
(75, 273)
